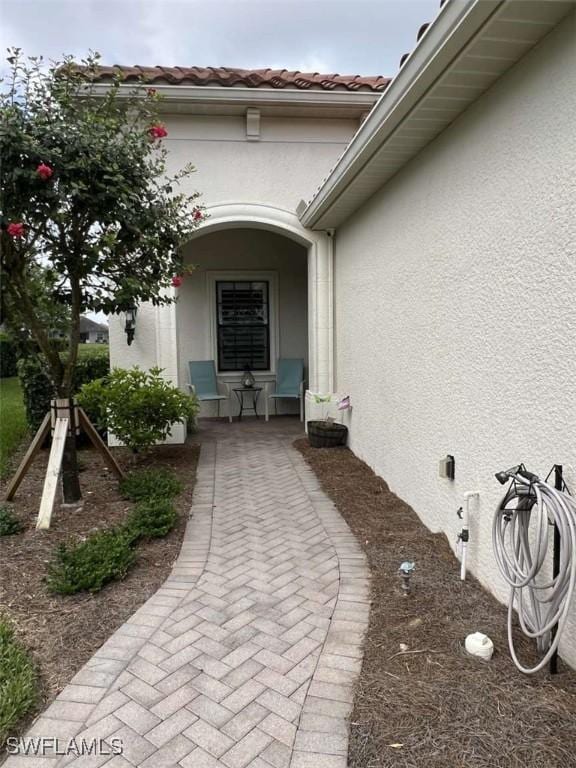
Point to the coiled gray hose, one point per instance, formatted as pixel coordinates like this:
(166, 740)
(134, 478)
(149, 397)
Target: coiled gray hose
(542, 603)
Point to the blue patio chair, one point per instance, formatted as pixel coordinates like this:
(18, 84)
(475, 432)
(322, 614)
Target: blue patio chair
(289, 384)
(204, 384)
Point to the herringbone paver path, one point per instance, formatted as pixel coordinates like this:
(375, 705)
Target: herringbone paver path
(248, 654)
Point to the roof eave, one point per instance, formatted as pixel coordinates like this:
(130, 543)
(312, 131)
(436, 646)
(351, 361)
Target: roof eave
(360, 171)
(239, 96)
(419, 70)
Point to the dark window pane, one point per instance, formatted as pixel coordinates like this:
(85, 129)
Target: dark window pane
(243, 325)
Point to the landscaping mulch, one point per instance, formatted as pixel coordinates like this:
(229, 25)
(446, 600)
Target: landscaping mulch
(427, 704)
(62, 632)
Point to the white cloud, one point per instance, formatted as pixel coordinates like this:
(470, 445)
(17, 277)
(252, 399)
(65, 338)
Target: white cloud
(363, 36)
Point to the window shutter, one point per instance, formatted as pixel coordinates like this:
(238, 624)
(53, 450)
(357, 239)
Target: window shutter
(243, 325)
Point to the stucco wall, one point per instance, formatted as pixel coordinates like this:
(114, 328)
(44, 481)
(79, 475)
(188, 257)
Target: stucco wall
(455, 304)
(144, 349)
(288, 162)
(248, 252)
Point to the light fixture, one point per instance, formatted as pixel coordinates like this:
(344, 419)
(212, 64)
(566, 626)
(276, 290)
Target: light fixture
(248, 379)
(130, 326)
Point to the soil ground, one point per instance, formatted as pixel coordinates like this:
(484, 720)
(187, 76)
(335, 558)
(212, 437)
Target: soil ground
(62, 632)
(426, 703)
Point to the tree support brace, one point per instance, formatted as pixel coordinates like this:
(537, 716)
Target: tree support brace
(58, 419)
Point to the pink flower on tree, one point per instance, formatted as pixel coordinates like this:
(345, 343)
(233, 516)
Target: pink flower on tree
(151, 92)
(44, 171)
(157, 131)
(197, 214)
(177, 281)
(15, 229)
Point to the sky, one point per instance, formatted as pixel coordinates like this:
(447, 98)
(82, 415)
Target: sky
(345, 36)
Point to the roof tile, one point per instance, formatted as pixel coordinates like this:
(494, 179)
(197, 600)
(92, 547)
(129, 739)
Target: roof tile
(245, 78)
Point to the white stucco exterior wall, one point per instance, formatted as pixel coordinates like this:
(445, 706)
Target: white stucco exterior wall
(285, 165)
(456, 305)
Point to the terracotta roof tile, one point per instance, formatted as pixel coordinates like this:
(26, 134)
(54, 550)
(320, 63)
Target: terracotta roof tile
(246, 78)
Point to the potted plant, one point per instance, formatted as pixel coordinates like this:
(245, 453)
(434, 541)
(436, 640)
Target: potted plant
(327, 433)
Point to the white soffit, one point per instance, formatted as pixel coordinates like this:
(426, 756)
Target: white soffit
(470, 45)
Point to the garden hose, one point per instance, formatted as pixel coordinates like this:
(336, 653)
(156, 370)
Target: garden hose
(520, 535)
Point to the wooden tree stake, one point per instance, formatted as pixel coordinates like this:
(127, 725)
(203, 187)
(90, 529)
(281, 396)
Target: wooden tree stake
(60, 424)
(99, 444)
(52, 473)
(33, 449)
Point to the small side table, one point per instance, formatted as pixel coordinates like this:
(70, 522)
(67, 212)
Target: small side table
(240, 392)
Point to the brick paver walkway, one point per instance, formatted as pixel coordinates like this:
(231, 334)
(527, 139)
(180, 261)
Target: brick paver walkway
(248, 654)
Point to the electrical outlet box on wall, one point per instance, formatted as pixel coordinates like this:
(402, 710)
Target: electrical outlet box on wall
(446, 467)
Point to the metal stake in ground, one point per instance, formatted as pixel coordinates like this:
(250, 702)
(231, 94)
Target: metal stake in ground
(559, 485)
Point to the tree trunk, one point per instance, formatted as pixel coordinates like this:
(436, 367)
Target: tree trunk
(70, 479)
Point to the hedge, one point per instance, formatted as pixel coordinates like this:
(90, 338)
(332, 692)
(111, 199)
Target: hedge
(90, 564)
(145, 484)
(151, 519)
(8, 357)
(9, 523)
(107, 555)
(38, 391)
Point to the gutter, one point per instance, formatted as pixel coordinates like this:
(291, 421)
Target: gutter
(455, 25)
(244, 97)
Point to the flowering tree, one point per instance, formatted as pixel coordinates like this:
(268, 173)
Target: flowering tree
(84, 196)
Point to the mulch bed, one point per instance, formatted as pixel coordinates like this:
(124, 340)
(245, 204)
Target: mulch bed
(433, 706)
(62, 632)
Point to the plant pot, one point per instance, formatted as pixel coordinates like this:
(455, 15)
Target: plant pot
(326, 434)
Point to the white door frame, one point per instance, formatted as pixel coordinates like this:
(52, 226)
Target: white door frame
(320, 286)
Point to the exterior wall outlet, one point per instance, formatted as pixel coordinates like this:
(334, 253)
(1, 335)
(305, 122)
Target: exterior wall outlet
(446, 467)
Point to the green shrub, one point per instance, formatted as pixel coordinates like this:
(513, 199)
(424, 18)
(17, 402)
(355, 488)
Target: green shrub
(93, 350)
(145, 484)
(8, 357)
(88, 566)
(37, 388)
(9, 523)
(151, 519)
(18, 682)
(138, 407)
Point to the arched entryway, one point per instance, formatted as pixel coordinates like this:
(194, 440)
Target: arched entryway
(279, 231)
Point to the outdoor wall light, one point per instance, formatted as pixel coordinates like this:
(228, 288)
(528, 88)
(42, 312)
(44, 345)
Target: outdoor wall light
(130, 326)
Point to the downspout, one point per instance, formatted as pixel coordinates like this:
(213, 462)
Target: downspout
(331, 233)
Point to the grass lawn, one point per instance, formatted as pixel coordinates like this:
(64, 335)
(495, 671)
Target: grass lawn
(13, 425)
(18, 686)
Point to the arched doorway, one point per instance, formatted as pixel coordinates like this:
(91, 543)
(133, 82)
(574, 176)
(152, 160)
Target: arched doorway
(174, 322)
